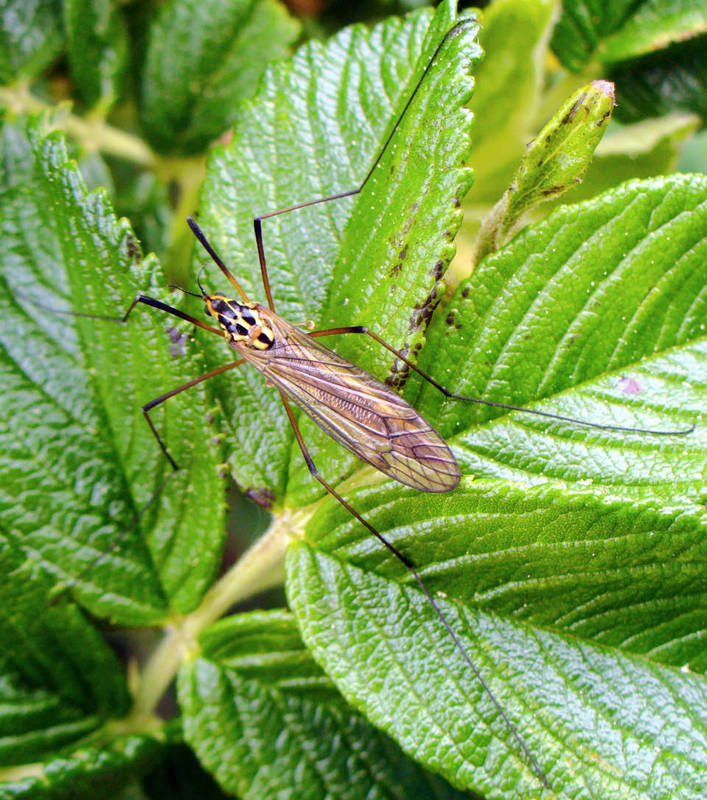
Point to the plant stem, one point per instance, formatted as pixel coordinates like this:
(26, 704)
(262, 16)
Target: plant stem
(259, 569)
(93, 134)
(190, 174)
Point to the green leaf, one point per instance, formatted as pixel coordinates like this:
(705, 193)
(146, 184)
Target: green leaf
(97, 49)
(654, 24)
(58, 679)
(624, 727)
(598, 534)
(331, 109)
(31, 37)
(623, 573)
(265, 720)
(669, 80)
(92, 773)
(79, 461)
(202, 59)
(658, 395)
(581, 299)
(584, 24)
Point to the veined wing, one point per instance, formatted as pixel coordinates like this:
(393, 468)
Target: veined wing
(360, 412)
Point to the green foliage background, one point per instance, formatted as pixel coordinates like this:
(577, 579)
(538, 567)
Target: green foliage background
(570, 561)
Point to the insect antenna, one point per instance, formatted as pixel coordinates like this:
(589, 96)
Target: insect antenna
(186, 291)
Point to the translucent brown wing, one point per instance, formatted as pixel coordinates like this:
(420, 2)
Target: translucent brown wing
(357, 410)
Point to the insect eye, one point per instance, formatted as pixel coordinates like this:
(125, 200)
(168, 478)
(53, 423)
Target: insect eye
(207, 311)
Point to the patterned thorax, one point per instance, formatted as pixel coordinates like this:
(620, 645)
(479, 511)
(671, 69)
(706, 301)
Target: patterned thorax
(242, 322)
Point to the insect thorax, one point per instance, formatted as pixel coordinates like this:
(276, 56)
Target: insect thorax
(242, 322)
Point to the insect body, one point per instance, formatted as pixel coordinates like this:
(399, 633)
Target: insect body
(360, 412)
(244, 324)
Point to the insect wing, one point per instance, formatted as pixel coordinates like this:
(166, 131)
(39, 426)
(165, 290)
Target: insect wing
(360, 412)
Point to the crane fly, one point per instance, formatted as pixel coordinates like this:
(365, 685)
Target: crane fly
(360, 412)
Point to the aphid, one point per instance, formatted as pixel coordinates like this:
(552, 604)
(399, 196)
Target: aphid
(357, 410)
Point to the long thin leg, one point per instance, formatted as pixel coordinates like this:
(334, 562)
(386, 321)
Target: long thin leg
(158, 304)
(363, 329)
(141, 298)
(158, 400)
(257, 221)
(418, 578)
(175, 312)
(175, 467)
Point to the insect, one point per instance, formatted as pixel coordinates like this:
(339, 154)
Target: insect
(354, 408)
